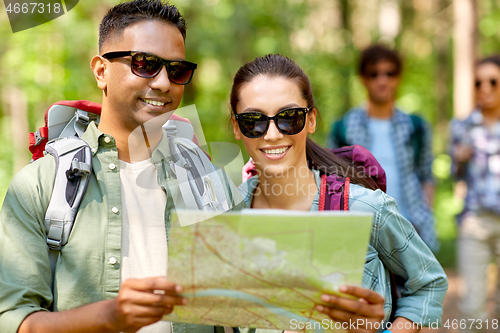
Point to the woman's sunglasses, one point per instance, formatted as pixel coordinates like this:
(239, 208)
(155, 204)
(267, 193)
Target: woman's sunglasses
(148, 65)
(493, 83)
(289, 122)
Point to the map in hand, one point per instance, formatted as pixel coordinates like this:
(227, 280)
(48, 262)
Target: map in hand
(264, 268)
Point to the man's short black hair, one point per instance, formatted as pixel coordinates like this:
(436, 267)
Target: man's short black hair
(125, 14)
(375, 53)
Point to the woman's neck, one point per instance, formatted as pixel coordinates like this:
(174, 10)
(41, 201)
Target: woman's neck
(491, 116)
(292, 191)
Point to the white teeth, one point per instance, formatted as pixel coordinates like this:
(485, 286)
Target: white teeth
(155, 103)
(275, 151)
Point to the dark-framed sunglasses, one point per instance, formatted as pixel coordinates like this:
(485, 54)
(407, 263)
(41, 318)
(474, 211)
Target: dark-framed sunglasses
(374, 75)
(288, 122)
(493, 83)
(148, 65)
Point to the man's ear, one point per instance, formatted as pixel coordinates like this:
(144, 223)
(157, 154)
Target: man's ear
(311, 128)
(98, 66)
(236, 129)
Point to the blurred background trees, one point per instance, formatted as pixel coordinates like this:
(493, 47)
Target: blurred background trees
(439, 40)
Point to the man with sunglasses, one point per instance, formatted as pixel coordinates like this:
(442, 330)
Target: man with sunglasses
(400, 142)
(110, 277)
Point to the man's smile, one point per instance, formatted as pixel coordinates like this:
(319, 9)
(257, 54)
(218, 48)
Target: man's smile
(153, 102)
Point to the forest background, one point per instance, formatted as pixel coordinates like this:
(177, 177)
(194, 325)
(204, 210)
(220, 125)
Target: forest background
(439, 39)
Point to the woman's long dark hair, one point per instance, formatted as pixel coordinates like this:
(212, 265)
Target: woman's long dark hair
(319, 158)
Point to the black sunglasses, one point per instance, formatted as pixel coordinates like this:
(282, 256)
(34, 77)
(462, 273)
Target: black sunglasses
(289, 122)
(148, 65)
(374, 75)
(493, 83)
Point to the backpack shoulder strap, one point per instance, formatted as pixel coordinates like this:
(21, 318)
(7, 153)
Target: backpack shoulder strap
(73, 168)
(334, 193)
(417, 136)
(200, 185)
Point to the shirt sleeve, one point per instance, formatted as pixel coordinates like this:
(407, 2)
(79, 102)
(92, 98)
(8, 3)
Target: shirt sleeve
(426, 157)
(25, 274)
(404, 253)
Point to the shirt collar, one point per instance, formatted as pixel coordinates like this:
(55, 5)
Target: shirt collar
(92, 136)
(247, 188)
(95, 138)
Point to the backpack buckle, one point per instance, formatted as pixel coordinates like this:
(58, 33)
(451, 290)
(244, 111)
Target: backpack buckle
(38, 137)
(55, 234)
(81, 117)
(77, 169)
(54, 244)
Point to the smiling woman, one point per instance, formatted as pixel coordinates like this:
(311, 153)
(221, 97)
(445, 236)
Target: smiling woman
(273, 112)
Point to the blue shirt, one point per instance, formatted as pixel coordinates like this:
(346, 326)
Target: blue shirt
(382, 148)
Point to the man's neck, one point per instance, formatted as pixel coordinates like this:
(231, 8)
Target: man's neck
(380, 110)
(133, 145)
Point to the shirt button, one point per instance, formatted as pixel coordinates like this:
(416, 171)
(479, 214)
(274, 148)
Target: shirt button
(107, 139)
(114, 210)
(112, 166)
(112, 260)
(94, 150)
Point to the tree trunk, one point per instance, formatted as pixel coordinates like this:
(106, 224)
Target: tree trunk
(465, 12)
(18, 107)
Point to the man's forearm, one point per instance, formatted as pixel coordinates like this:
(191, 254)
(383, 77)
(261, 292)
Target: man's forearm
(86, 319)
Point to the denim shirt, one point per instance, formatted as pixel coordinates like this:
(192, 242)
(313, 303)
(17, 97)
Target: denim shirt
(394, 246)
(413, 175)
(482, 171)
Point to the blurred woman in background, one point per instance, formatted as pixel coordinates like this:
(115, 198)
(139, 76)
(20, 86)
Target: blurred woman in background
(475, 149)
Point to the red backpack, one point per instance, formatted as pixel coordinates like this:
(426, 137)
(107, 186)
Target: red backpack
(334, 190)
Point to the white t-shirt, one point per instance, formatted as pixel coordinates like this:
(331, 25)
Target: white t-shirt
(144, 240)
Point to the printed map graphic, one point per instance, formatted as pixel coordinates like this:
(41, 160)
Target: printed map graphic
(264, 269)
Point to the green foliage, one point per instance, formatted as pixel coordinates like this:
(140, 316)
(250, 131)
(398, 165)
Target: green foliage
(446, 207)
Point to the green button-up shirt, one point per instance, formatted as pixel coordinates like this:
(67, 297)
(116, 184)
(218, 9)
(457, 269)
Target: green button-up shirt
(88, 267)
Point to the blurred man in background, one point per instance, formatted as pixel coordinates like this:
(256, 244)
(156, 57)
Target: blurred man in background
(475, 149)
(400, 142)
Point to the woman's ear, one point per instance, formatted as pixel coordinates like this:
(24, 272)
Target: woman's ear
(98, 66)
(236, 129)
(311, 115)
